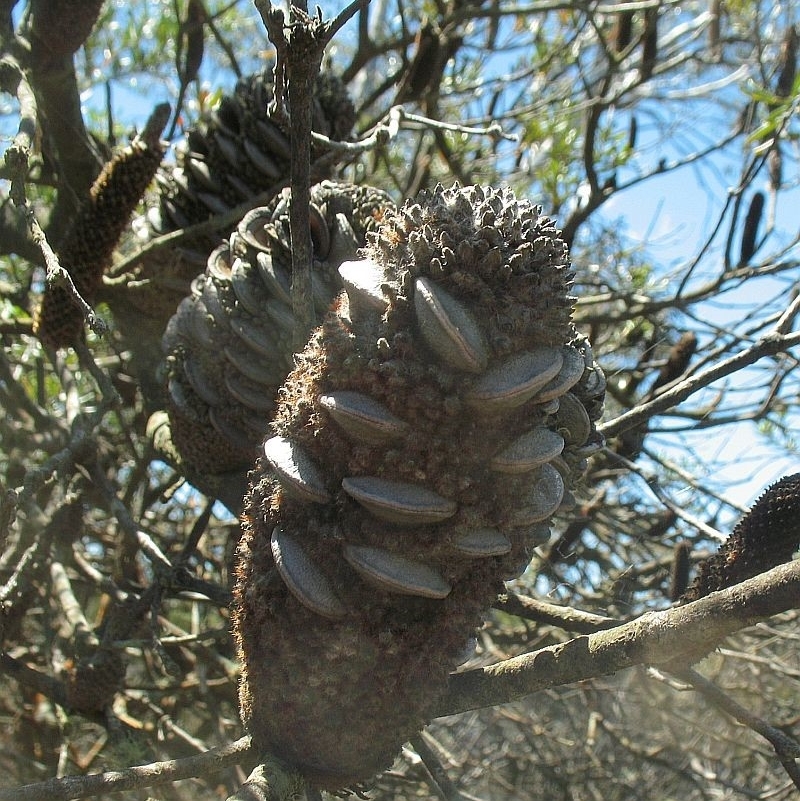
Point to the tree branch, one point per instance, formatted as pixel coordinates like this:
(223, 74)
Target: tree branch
(768, 345)
(299, 49)
(787, 749)
(672, 638)
(564, 617)
(270, 781)
(136, 778)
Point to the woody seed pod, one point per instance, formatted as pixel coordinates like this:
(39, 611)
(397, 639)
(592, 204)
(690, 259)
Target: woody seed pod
(348, 631)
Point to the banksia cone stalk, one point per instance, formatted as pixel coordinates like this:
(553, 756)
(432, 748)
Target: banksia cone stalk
(764, 538)
(428, 433)
(228, 346)
(90, 244)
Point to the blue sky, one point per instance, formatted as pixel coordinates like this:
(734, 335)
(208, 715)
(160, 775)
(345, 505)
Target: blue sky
(671, 216)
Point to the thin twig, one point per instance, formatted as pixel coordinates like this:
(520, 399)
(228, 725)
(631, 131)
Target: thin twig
(493, 130)
(768, 345)
(17, 157)
(119, 272)
(443, 784)
(57, 276)
(564, 617)
(786, 748)
(654, 485)
(70, 787)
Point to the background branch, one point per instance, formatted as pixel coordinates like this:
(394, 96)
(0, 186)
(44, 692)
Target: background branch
(151, 775)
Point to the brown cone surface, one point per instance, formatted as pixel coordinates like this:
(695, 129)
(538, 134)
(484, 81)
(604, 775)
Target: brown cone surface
(89, 247)
(422, 444)
(764, 538)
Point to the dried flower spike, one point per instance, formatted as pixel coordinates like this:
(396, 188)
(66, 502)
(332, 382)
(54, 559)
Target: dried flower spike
(429, 431)
(764, 538)
(90, 245)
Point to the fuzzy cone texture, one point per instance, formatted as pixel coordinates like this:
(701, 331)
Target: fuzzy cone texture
(229, 344)
(92, 683)
(764, 538)
(91, 242)
(401, 501)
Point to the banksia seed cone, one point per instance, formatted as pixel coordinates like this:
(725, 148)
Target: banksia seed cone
(750, 229)
(428, 433)
(91, 242)
(229, 344)
(238, 150)
(233, 154)
(764, 538)
(679, 574)
(191, 45)
(60, 27)
(92, 683)
(678, 360)
(787, 63)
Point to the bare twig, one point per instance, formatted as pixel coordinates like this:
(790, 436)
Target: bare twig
(299, 49)
(494, 130)
(17, 160)
(68, 603)
(8, 509)
(35, 680)
(768, 345)
(17, 157)
(786, 748)
(118, 273)
(443, 784)
(564, 617)
(57, 276)
(156, 773)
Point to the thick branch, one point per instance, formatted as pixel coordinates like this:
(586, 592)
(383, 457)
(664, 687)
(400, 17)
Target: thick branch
(671, 638)
(270, 781)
